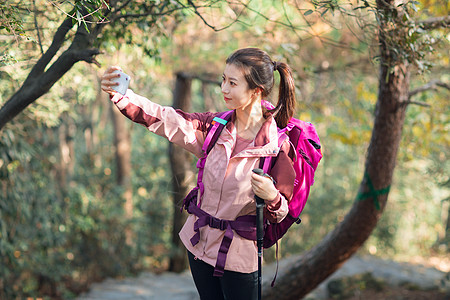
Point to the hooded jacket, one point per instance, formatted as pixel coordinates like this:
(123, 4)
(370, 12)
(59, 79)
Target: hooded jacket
(226, 178)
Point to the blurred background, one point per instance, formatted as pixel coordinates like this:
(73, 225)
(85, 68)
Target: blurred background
(85, 194)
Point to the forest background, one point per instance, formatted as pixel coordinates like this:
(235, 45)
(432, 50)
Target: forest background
(71, 215)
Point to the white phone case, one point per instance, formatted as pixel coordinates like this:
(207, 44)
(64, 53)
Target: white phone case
(124, 82)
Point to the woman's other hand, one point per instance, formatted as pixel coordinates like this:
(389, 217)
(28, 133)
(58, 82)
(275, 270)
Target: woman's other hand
(264, 188)
(107, 80)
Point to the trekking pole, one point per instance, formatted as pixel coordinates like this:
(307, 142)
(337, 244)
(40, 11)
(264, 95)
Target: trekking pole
(259, 233)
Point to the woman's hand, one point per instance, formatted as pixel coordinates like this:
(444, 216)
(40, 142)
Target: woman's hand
(264, 188)
(106, 80)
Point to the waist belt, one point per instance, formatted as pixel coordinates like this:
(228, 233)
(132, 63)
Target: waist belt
(245, 226)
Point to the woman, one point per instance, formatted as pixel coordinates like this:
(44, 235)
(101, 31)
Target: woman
(229, 184)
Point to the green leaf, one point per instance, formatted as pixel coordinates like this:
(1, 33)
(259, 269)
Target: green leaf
(79, 17)
(308, 12)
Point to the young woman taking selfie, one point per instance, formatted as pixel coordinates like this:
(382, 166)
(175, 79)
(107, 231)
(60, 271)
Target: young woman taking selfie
(229, 185)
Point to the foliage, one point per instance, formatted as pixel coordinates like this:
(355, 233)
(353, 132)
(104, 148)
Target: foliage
(84, 10)
(10, 19)
(57, 238)
(54, 239)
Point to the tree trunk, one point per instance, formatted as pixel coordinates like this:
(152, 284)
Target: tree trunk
(339, 245)
(122, 145)
(182, 176)
(66, 134)
(207, 99)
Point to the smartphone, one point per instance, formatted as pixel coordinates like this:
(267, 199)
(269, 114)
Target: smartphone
(124, 82)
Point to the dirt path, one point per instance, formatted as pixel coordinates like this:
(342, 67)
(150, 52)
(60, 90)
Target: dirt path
(170, 286)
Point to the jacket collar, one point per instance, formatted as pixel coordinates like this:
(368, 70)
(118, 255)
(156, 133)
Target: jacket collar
(265, 142)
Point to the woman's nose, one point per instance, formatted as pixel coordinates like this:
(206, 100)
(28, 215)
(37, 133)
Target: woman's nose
(224, 88)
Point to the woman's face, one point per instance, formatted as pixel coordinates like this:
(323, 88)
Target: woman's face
(235, 90)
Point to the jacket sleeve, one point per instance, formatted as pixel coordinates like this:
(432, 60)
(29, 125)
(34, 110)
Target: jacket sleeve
(283, 173)
(184, 129)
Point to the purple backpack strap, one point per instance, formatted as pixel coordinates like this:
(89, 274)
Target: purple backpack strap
(212, 136)
(244, 226)
(204, 218)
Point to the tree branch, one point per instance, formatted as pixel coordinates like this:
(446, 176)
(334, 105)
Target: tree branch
(130, 16)
(432, 85)
(419, 103)
(64, 63)
(205, 78)
(40, 80)
(57, 42)
(196, 11)
(435, 23)
(37, 26)
(312, 33)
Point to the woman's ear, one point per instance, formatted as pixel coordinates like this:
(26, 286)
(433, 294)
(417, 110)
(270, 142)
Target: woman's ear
(257, 94)
(258, 91)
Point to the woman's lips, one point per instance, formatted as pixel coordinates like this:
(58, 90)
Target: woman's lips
(226, 99)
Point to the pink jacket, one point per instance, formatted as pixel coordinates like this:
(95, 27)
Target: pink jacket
(228, 193)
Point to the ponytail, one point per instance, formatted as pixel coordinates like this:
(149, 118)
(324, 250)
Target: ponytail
(285, 108)
(258, 69)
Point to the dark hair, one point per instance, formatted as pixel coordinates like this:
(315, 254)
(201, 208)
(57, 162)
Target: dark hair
(258, 70)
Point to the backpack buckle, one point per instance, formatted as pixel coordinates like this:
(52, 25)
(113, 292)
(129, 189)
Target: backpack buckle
(217, 223)
(298, 221)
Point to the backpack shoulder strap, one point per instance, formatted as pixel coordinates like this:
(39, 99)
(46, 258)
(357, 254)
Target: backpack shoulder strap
(217, 125)
(212, 136)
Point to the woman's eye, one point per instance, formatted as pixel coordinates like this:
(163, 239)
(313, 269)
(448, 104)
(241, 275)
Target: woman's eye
(232, 83)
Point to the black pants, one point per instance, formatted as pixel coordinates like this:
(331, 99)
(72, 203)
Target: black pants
(231, 286)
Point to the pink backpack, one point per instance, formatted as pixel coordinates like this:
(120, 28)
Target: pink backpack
(303, 137)
(305, 140)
